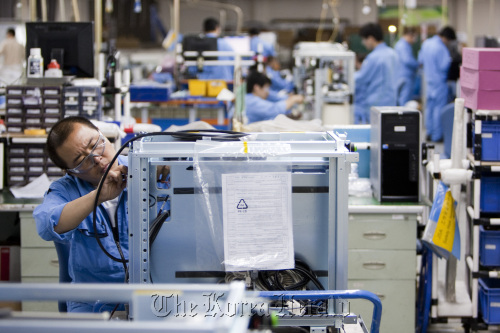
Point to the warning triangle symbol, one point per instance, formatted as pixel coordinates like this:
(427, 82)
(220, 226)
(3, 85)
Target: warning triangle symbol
(242, 204)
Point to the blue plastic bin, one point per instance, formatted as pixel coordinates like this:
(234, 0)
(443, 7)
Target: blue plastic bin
(153, 93)
(490, 141)
(489, 247)
(490, 194)
(489, 300)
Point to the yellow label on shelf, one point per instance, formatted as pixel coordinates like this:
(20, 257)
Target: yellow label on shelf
(445, 228)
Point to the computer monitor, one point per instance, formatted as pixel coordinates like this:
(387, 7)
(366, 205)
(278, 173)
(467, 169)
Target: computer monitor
(70, 43)
(239, 44)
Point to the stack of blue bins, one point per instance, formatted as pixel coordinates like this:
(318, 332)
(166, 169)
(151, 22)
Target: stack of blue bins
(488, 150)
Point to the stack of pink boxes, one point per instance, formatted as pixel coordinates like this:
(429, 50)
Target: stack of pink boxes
(480, 78)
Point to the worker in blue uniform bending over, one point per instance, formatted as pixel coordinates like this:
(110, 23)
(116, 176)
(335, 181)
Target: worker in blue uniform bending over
(77, 146)
(408, 65)
(211, 29)
(375, 82)
(435, 58)
(258, 108)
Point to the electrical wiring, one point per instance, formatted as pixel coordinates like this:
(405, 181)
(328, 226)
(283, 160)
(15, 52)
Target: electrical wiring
(192, 135)
(289, 279)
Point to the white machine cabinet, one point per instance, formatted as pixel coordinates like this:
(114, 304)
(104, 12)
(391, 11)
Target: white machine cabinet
(324, 74)
(319, 165)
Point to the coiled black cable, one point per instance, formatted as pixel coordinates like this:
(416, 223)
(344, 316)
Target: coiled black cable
(191, 135)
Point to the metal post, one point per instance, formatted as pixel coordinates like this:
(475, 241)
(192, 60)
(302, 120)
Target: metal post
(33, 10)
(76, 12)
(62, 9)
(97, 30)
(470, 37)
(444, 13)
(44, 10)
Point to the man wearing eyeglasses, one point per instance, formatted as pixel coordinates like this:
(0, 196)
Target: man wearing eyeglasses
(78, 147)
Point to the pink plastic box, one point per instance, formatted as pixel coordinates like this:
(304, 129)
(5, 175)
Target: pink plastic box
(481, 99)
(481, 58)
(482, 80)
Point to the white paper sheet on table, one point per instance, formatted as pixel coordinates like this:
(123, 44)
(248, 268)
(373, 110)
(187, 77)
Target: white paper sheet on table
(257, 219)
(35, 189)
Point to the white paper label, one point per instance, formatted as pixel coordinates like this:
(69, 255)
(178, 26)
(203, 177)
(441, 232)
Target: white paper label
(399, 128)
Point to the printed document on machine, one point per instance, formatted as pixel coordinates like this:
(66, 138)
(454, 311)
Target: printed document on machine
(257, 218)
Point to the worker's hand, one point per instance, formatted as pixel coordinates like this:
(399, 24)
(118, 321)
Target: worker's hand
(114, 184)
(162, 172)
(297, 99)
(295, 115)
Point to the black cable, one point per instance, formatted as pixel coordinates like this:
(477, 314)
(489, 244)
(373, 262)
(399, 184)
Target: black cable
(184, 135)
(154, 202)
(114, 310)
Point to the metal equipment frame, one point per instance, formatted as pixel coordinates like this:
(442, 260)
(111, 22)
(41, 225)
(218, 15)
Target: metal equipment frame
(317, 55)
(325, 149)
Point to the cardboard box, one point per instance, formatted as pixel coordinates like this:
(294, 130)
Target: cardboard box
(482, 80)
(481, 99)
(481, 58)
(10, 259)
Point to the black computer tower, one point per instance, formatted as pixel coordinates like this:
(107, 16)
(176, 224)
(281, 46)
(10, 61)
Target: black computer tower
(395, 153)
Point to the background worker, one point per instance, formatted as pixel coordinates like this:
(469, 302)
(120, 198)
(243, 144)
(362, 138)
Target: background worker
(408, 65)
(258, 108)
(266, 48)
(278, 83)
(435, 58)
(211, 29)
(13, 56)
(376, 79)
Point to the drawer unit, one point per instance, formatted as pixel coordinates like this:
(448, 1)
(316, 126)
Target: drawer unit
(395, 232)
(39, 262)
(42, 306)
(398, 299)
(382, 259)
(29, 234)
(382, 264)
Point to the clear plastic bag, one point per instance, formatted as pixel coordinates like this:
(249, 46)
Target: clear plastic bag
(263, 174)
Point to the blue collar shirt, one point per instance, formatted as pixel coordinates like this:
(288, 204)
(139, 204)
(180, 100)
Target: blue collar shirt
(87, 262)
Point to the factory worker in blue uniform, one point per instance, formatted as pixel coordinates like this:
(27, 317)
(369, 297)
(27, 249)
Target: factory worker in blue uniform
(258, 108)
(211, 29)
(77, 146)
(258, 45)
(408, 65)
(435, 58)
(278, 83)
(375, 82)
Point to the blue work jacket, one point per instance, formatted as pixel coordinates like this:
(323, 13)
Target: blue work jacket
(267, 49)
(278, 83)
(407, 71)
(87, 262)
(376, 80)
(258, 109)
(218, 72)
(436, 60)
(408, 65)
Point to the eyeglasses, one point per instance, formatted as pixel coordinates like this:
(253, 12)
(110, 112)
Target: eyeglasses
(88, 161)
